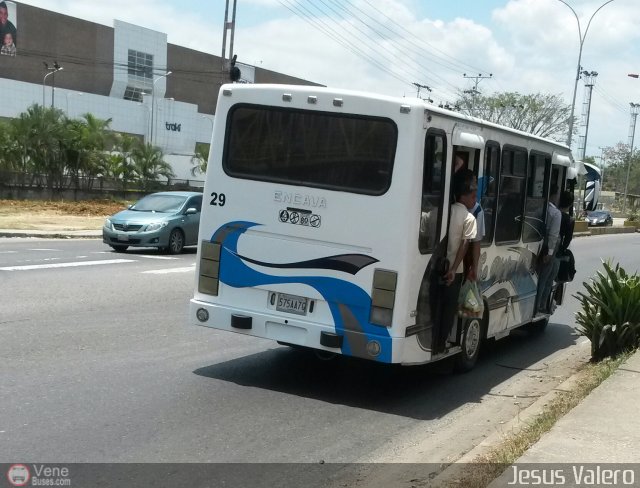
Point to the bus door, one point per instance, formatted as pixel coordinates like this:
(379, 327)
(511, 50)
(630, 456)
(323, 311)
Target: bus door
(431, 235)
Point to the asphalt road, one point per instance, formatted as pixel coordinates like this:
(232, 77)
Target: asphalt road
(99, 365)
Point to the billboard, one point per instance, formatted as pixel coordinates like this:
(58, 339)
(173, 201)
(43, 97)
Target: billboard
(8, 28)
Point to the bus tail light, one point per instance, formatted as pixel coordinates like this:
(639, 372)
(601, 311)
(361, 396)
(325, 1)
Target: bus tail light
(208, 280)
(383, 296)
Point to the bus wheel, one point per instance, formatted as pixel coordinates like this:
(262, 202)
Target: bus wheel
(471, 342)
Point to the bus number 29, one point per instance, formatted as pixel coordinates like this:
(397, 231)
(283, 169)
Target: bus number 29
(218, 199)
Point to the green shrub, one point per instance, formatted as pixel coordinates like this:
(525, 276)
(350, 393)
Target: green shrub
(633, 216)
(610, 315)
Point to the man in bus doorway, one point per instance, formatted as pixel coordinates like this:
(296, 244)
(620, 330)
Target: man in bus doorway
(462, 229)
(548, 264)
(473, 256)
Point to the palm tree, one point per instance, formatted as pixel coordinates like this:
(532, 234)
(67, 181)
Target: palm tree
(149, 165)
(94, 140)
(200, 159)
(119, 163)
(37, 133)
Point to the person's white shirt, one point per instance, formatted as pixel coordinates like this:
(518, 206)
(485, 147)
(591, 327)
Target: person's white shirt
(462, 226)
(554, 218)
(479, 222)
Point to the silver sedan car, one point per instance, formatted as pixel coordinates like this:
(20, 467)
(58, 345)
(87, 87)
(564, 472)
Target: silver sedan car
(167, 220)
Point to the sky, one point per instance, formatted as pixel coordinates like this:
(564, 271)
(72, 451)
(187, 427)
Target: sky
(385, 46)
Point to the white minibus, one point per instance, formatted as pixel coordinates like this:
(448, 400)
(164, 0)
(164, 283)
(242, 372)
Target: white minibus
(313, 229)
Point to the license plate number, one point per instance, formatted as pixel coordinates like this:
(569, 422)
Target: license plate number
(123, 237)
(291, 304)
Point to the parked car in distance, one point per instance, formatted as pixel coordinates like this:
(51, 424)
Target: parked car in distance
(167, 220)
(599, 217)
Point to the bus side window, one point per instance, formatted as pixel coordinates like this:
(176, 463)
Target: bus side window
(534, 211)
(433, 177)
(488, 189)
(511, 196)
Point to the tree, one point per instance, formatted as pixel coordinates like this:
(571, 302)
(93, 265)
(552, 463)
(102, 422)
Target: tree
(618, 158)
(200, 159)
(38, 133)
(120, 163)
(149, 164)
(540, 114)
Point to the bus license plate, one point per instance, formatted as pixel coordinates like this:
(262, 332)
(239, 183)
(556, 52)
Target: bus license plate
(291, 304)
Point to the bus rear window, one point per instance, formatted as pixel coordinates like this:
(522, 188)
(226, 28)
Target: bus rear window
(315, 149)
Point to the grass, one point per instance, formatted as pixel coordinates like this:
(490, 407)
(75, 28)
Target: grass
(488, 467)
(59, 215)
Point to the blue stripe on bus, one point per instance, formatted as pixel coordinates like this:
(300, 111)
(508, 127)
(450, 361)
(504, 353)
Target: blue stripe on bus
(234, 272)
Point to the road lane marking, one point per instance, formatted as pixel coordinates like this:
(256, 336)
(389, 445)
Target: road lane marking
(170, 270)
(153, 257)
(8, 252)
(137, 255)
(57, 250)
(65, 265)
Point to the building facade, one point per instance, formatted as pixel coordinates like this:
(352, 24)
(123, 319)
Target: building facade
(163, 93)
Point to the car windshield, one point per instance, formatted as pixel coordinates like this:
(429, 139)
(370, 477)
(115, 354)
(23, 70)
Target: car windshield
(597, 214)
(159, 203)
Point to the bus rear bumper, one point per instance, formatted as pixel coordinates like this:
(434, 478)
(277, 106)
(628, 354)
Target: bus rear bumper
(295, 331)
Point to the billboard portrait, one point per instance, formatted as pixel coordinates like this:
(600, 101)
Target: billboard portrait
(8, 28)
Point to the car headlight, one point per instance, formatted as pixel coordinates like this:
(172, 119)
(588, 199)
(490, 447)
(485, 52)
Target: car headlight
(107, 224)
(156, 226)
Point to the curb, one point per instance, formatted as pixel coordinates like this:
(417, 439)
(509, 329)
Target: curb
(49, 235)
(452, 473)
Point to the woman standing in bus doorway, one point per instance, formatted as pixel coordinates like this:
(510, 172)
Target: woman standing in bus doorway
(462, 229)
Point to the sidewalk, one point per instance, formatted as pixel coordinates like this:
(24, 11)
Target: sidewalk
(53, 234)
(603, 428)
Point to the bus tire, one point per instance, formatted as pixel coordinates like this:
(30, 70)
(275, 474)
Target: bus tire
(471, 342)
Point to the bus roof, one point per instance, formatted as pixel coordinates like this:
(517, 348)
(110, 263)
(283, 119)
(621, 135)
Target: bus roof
(408, 102)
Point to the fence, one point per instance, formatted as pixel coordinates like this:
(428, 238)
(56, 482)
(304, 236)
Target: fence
(16, 185)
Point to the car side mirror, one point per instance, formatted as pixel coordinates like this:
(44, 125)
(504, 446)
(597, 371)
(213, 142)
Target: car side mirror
(191, 211)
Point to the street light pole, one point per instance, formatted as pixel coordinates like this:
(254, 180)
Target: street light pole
(51, 71)
(582, 38)
(210, 119)
(153, 99)
(67, 95)
(635, 109)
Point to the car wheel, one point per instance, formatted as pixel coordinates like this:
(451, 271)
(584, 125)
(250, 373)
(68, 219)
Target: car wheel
(120, 248)
(176, 241)
(471, 342)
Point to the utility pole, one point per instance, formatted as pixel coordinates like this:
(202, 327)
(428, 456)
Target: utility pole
(477, 79)
(589, 82)
(635, 109)
(601, 167)
(228, 30)
(419, 86)
(474, 91)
